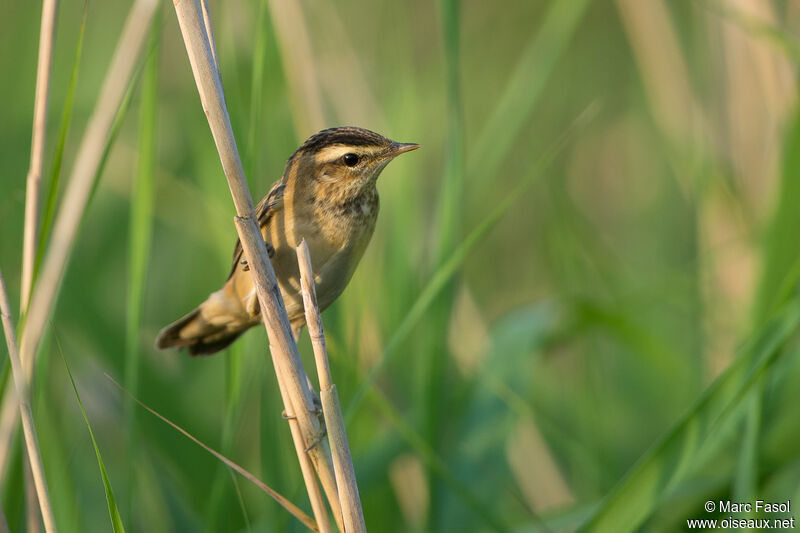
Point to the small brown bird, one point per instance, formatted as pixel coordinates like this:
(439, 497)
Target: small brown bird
(328, 197)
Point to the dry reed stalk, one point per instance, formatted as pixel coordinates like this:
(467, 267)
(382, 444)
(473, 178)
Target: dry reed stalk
(76, 196)
(292, 378)
(34, 181)
(32, 512)
(334, 421)
(286, 357)
(310, 479)
(33, 187)
(87, 161)
(298, 62)
(656, 48)
(210, 33)
(352, 97)
(28, 426)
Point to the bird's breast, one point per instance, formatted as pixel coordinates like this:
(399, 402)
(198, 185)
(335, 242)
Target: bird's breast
(337, 236)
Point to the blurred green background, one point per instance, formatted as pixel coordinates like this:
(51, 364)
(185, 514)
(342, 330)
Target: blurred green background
(537, 343)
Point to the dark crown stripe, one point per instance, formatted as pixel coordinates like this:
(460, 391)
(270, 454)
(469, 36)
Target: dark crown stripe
(345, 135)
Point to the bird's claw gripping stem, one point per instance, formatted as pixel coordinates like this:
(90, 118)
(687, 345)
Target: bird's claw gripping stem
(319, 413)
(270, 252)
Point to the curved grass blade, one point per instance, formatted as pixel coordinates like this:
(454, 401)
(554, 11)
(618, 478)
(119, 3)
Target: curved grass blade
(781, 254)
(113, 510)
(234, 378)
(285, 503)
(141, 217)
(240, 499)
(115, 127)
(781, 249)
(671, 461)
(431, 391)
(140, 230)
(452, 192)
(58, 156)
(450, 266)
(53, 294)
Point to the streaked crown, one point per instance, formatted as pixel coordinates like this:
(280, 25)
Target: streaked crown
(350, 155)
(343, 136)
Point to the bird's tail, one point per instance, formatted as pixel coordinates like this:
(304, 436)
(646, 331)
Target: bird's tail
(196, 333)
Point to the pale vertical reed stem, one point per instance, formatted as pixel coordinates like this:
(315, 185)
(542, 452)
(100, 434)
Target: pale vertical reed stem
(24, 405)
(210, 33)
(326, 473)
(286, 359)
(298, 62)
(656, 48)
(34, 181)
(282, 344)
(310, 479)
(32, 512)
(352, 97)
(334, 421)
(76, 197)
(87, 161)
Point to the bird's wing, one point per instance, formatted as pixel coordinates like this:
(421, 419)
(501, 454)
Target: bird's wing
(264, 211)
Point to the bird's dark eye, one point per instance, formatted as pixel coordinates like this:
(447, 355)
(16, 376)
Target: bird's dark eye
(350, 159)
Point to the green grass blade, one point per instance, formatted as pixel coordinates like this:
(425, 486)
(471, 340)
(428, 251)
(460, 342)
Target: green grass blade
(671, 461)
(524, 88)
(52, 195)
(113, 510)
(234, 376)
(781, 253)
(431, 395)
(240, 499)
(55, 174)
(115, 127)
(14, 493)
(446, 271)
(140, 230)
(141, 217)
(781, 247)
(745, 481)
(451, 195)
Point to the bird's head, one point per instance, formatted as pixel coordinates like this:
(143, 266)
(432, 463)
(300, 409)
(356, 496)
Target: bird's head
(342, 162)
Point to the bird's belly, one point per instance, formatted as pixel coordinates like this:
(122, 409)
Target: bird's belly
(333, 265)
(332, 272)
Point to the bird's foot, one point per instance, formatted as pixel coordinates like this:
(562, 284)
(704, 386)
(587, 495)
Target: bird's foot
(321, 417)
(318, 411)
(322, 434)
(270, 252)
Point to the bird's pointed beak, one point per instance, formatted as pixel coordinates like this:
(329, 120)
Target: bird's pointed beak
(396, 149)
